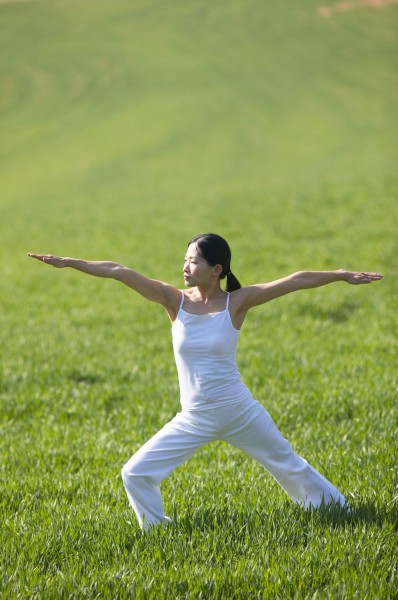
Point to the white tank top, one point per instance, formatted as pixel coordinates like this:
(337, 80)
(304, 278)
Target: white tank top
(205, 354)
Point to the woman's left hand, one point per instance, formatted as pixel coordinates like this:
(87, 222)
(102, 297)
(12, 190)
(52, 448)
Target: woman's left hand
(363, 277)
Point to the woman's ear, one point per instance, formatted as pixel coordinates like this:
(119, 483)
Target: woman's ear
(217, 270)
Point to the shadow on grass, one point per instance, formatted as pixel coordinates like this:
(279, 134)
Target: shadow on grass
(210, 519)
(293, 520)
(368, 512)
(363, 512)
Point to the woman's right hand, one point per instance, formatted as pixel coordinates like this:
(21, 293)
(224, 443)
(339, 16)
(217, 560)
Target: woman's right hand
(151, 289)
(49, 259)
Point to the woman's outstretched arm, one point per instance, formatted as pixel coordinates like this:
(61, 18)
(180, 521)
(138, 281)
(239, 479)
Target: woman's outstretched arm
(151, 289)
(261, 293)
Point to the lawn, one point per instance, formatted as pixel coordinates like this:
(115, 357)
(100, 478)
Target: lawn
(126, 129)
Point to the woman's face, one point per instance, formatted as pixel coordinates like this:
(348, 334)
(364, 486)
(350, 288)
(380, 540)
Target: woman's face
(197, 270)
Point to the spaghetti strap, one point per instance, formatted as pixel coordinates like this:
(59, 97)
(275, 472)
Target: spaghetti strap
(182, 300)
(227, 305)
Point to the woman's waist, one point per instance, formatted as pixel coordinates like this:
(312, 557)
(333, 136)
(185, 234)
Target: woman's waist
(212, 389)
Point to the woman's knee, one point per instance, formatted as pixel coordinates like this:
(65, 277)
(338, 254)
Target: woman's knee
(136, 470)
(131, 469)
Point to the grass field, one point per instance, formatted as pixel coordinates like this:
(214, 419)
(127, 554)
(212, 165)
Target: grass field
(127, 127)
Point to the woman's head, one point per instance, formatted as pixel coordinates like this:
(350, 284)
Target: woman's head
(216, 251)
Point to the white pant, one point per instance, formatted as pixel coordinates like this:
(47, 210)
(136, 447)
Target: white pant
(247, 426)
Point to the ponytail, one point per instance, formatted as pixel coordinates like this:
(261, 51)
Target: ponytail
(232, 283)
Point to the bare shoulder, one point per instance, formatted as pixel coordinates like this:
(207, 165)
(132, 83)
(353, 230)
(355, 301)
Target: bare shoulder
(238, 306)
(241, 298)
(245, 298)
(237, 297)
(172, 299)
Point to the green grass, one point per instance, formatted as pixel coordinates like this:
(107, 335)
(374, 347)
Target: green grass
(127, 128)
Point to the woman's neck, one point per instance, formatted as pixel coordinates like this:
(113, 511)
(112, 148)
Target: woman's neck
(207, 295)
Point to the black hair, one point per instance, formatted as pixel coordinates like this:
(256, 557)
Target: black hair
(216, 251)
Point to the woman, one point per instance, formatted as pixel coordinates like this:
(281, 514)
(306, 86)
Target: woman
(216, 405)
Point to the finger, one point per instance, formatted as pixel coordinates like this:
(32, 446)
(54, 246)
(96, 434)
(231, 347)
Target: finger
(42, 257)
(369, 277)
(38, 256)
